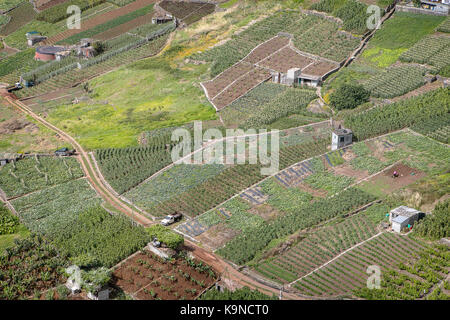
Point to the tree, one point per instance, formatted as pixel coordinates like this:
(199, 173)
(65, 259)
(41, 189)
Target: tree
(99, 47)
(349, 96)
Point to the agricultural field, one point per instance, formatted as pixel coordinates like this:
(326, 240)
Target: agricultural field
(29, 267)
(435, 128)
(10, 229)
(431, 50)
(348, 272)
(396, 81)
(308, 31)
(146, 276)
(35, 173)
(188, 12)
(19, 16)
(383, 55)
(210, 189)
(278, 204)
(398, 115)
(21, 134)
(444, 26)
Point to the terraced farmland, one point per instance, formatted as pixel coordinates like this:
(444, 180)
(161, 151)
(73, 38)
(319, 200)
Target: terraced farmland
(348, 273)
(432, 50)
(36, 173)
(188, 12)
(317, 249)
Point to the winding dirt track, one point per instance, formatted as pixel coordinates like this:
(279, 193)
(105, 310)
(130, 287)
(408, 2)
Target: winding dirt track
(86, 164)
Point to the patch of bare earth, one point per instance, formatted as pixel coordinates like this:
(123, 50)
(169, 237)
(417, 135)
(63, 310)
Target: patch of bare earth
(217, 236)
(265, 211)
(407, 176)
(348, 171)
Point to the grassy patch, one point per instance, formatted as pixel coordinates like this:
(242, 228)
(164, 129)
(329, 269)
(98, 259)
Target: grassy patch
(146, 95)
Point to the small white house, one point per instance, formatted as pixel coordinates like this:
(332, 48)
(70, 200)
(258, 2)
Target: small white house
(403, 216)
(341, 138)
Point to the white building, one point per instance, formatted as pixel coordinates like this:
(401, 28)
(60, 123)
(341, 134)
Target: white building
(403, 216)
(341, 138)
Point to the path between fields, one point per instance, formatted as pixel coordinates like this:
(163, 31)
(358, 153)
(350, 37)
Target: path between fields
(86, 165)
(337, 257)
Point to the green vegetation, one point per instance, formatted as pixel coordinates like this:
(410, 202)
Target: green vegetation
(19, 16)
(398, 115)
(108, 25)
(349, 96)
(436, 225)
(244, 293)
(397, 35)
(431, 50)
(18, 40)
(170, 183)
(444, 26)
(36, 172)
(23, 60)
(59, 11)
(309, 33)
(146, 95)
(395, 81)
(52, 210)
(96, 238)
(244, 247)
(353, 13)
(165, 235)
(9, 223)
(30, 266)
(415, 280)
(6, 5)
(435, 128)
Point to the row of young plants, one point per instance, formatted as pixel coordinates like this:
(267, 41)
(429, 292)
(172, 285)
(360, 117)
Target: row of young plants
(444, 26)
(245, 246)
(90, 33)
(37, 172)
(218, 188)
(413, 280)
(353, 13)
(59, 11)
(348, 273)
(395, 81)
(399, 115)
(435, 128)
(432, 50)
(319, 29)
(317, 248)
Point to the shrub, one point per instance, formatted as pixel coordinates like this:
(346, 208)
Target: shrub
(8, 222)
(172, 239)
(349, 96)
(437, 225)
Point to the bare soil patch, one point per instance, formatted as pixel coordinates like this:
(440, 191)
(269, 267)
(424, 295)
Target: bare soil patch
(217, 236)
(265, 211)
(148, 277)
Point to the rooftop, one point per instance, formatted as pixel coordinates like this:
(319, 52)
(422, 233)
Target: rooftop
(400, 219)
(405, 211)
(341, 132)
(50, 49)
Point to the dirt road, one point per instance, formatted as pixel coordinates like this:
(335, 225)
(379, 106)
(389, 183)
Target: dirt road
(86, 165)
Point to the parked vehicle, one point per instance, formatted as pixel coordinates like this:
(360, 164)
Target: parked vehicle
(171, 218)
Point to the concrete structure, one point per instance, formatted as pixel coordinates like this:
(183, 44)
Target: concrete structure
(341, 138)
(48, 53)
(64, 152)
(403, 216)
(434, 7)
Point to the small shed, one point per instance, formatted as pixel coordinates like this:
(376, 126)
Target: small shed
(403, 216)
(341, 138)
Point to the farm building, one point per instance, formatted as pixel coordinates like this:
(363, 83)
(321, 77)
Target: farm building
(403, 216)
(441, 6)
(34, 37)
(162, 18)
(341, 138)
(48, 53)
